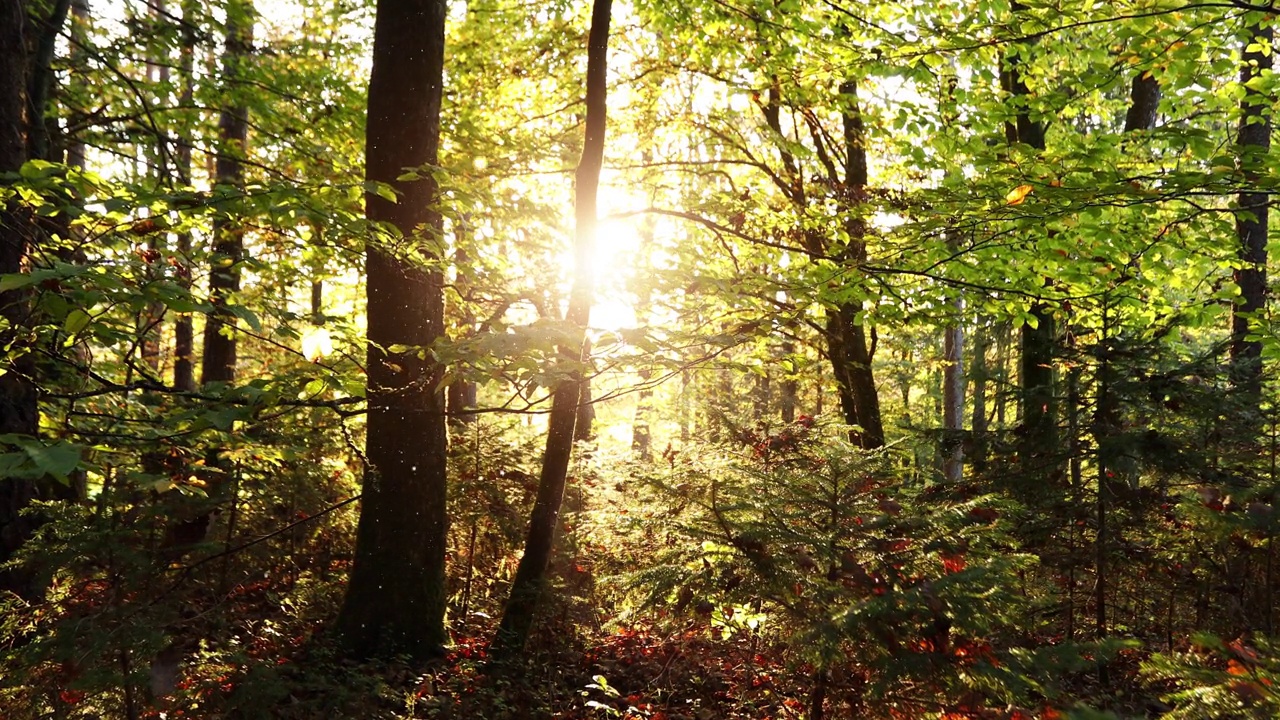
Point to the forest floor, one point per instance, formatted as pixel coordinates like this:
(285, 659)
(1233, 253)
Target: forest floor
(574, 667)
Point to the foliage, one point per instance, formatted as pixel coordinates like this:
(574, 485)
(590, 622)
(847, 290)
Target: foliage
(724, 550)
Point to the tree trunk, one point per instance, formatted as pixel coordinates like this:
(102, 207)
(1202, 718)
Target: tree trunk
(1144, 102)
(761, 394)
(978, 425)
(219, 362)
(151, 318)
(25, 83)
(1039, 337)
(856, 352)
(846, 340)
(687, 391)
(584, 426)
(41, 77)
(1003, 347)
(517, 616)
(1254, 144)
(18, 412)
(184, 375)
(790, 390)
(395, 601)
(953, 399)
(855, 382)
(641, 434)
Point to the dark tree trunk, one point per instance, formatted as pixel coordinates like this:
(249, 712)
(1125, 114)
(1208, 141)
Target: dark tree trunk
(790, 390)
(150, 320)
(1254, 143)
(859, 398)
(40, 77)
(184, 374)
(24, 90)
(1039, 400)
(953, 400)
(396, 597)
(856, 352)
(18, 412)
(761, 395)
(846, 340)
(978, 426)
(80, 19)
(218, 364)
(518, 615)
(1144, 102)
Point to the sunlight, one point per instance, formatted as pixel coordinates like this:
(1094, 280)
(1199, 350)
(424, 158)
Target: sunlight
(615, 260)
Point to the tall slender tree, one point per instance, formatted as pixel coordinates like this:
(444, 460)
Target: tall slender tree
(855, 350)
(1254, 144)
(184, 374)
(396, 597)
(518, 615)
(219, 360)
(1038, 337)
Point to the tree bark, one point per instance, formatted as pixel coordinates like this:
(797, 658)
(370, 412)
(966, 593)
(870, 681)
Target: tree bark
(857, 353)
(1144, 102)
(24, 85)
(150, 320)
(978, 425)
(395, 601)
(1253, 146)
(18, 413)
(846, 339)
(953, 399)
(518, 615)
(218, 364)
(641, 433)
(40, 76)
(584, 429)
(184, 375)
(1038, 338)
(789, 396)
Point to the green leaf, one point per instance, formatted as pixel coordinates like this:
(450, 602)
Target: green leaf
(385, 191)
(38, 169)
(57, 460)
(225, 418)
(76, 321)
(13, 281)
(247, 315)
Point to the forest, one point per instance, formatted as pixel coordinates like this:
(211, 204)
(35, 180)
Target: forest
(639, 360)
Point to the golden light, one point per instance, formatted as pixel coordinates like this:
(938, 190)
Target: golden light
(615, 260)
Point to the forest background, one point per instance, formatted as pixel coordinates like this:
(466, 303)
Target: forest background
(728, 358)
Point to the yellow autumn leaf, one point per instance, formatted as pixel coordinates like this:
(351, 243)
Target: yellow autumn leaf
(1018, 194)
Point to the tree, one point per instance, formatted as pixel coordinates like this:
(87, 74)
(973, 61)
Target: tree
(1253, 145)
(518, 615)
(24, 93)
(17, 388)
(396, 596)
(218, 364)
(1039, 333)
